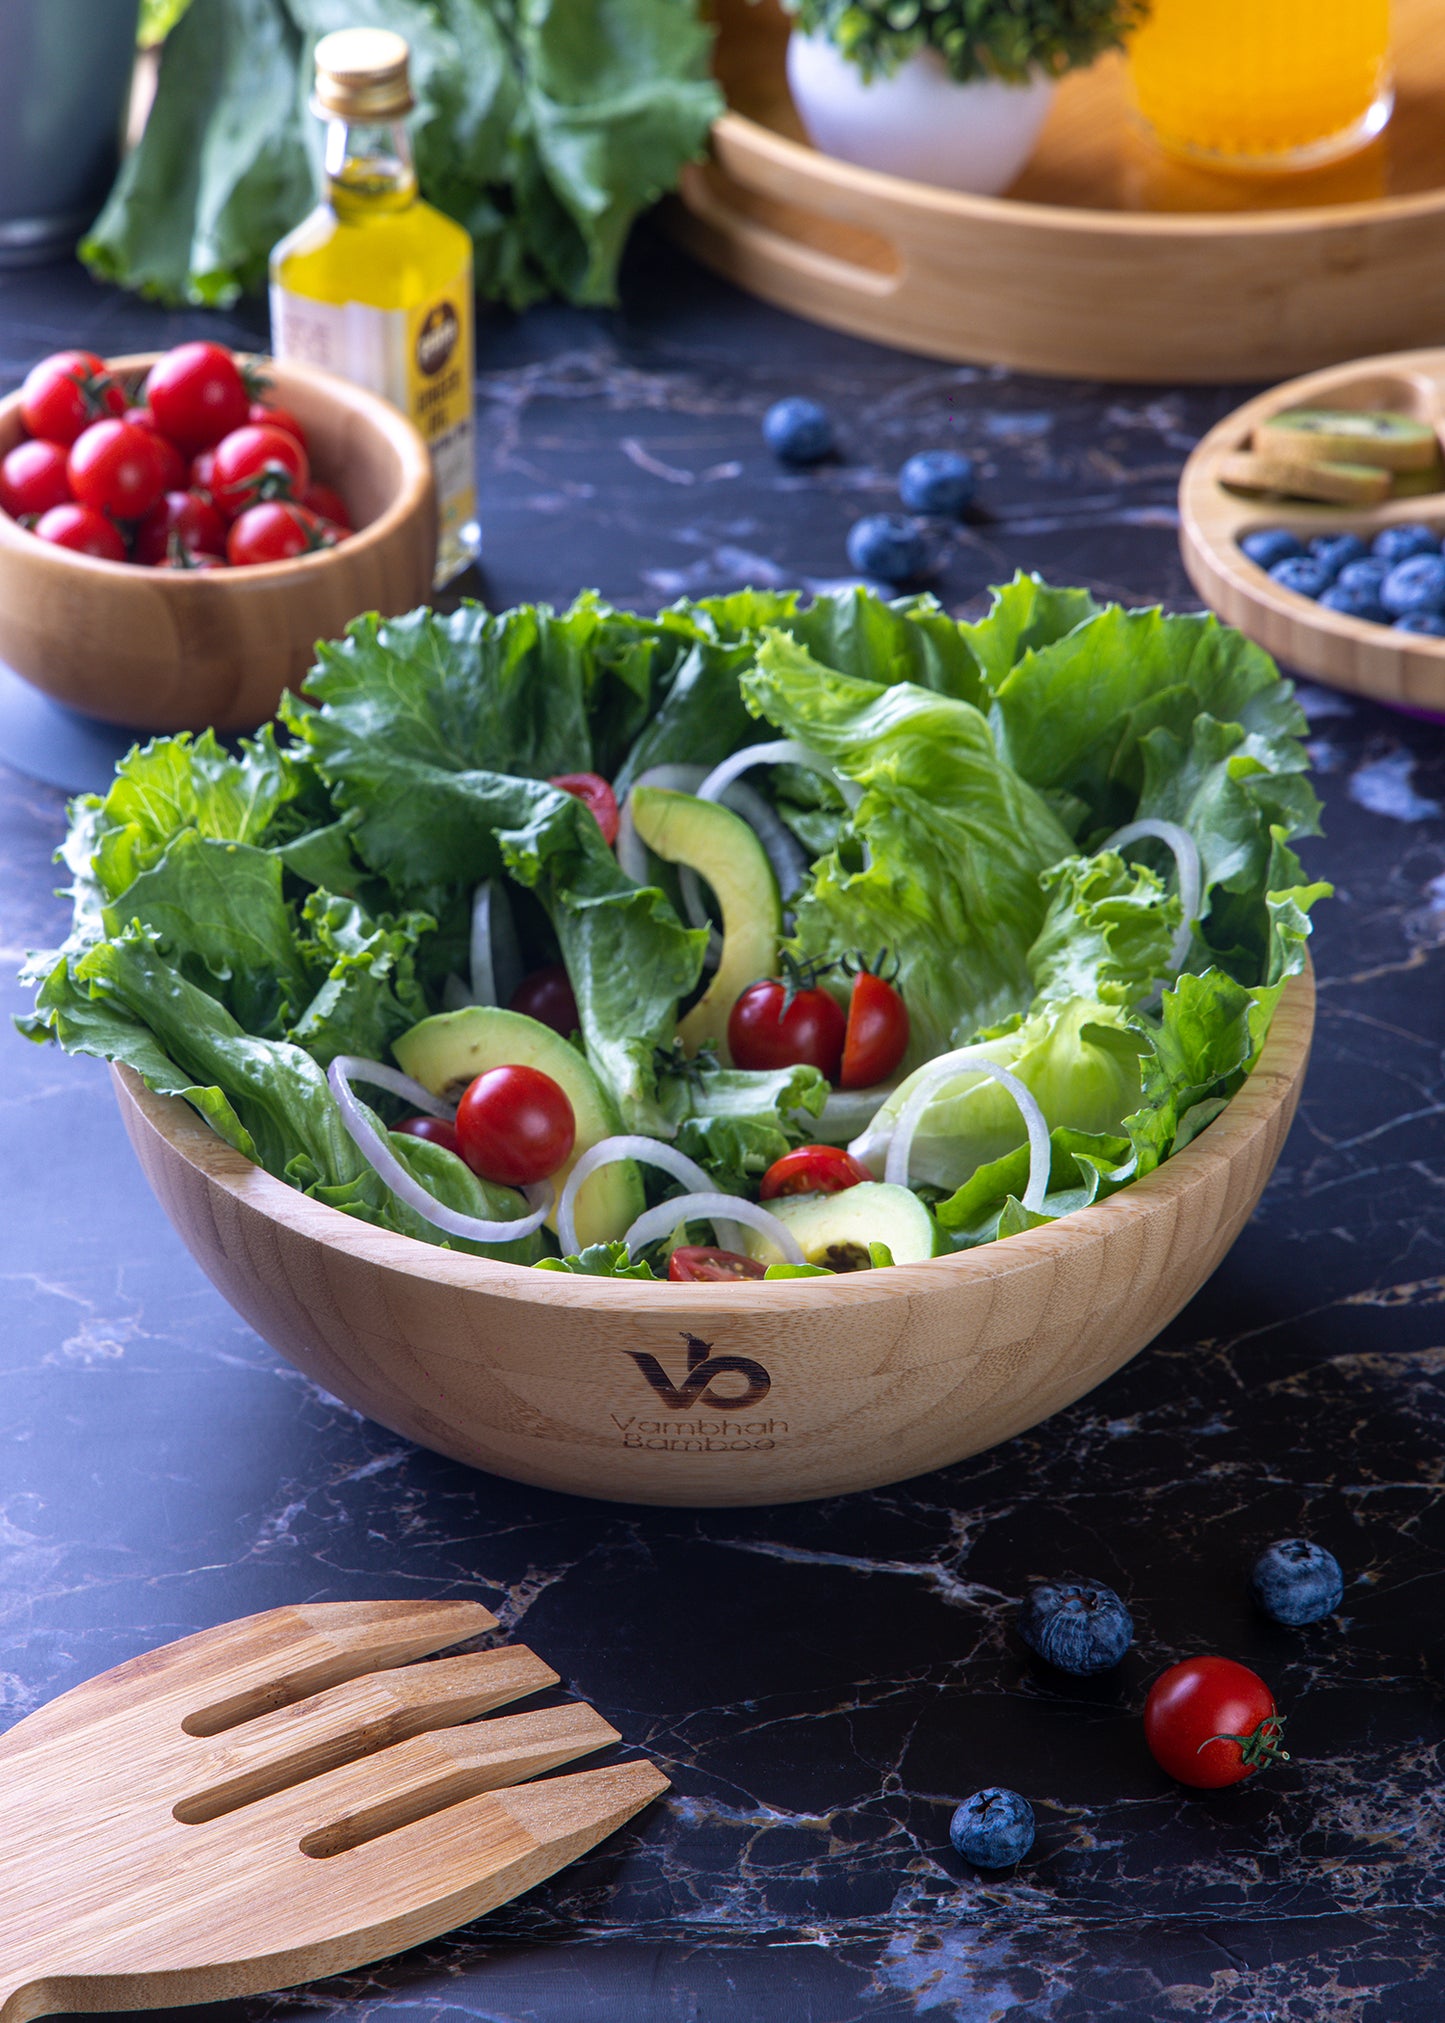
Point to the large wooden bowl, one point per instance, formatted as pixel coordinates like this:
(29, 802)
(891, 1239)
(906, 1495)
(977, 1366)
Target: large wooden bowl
(167, 650)
(707, 1394)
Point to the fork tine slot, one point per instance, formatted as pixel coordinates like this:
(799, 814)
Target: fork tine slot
(353, 1720)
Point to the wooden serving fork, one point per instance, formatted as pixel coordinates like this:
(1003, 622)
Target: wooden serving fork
(280, 1798)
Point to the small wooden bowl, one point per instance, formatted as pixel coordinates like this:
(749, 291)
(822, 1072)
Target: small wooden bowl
(164, 650)
(704, 1394)
(1403, 668)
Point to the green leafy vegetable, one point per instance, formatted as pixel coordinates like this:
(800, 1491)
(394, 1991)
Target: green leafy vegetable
(735, 1123)
(600, 1260)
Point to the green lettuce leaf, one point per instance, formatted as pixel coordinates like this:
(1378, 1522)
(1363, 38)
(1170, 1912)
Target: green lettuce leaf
(600, 1260)
(1108, 933)
(736, 1122)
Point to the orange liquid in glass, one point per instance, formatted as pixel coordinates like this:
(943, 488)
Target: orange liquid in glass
(1262, 80)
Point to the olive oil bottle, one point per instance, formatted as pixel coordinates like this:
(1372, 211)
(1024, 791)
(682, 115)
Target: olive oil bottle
(376, 285)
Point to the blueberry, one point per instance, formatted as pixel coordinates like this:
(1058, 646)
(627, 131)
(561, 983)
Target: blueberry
(1302, 573)
(1079, 1625)
(1335, 550)
(1429, 622)
(1415, 585)
(888, 546)
(1297, 1582)
(1367, 574)
(937, 481)
(1357, 603)
(1268, 545)
(798, 430)
(1398, 544)
(993, 1829)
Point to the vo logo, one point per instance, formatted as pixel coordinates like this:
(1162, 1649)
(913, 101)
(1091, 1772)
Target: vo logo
(702, 1368)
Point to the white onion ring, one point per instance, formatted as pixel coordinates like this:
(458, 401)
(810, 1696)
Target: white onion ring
(649, 1152)
(777, 752)
(900, 1145)
(630, 851)
(496, 960)
(724, 1211)
(847, 1112)
(383, 1161)
(1187, 868)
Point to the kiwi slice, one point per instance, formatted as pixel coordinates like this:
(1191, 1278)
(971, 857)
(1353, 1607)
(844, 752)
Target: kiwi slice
(1336, 484)
(1329, 435)
(1418, 484)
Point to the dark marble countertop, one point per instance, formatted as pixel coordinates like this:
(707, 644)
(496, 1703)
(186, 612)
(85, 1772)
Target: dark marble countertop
(822, 1683)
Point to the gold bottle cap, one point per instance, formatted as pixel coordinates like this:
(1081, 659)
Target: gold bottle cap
(361, 75)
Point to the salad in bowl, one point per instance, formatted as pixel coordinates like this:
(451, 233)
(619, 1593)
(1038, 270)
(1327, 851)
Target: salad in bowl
(759, 939)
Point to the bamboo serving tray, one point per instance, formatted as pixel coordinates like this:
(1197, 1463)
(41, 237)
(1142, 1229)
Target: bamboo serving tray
(1107, 259)
(1403, 668)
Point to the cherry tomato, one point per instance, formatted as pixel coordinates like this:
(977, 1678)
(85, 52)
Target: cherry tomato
(203, 472)
(1210, 1722)
(276, 532)
(766, 1030)
(257, 462)
(33, 478)
(812, 1169)
(547, 995)
(264, 413)
(515, 1125)
(85, 531)
(877, 1036)
(694, 1263)
(438, 1130)
(594, 791)
(194, 520)
(197, 395)
(116, 468)
(329, 504)
(65, 393)
(177, 467)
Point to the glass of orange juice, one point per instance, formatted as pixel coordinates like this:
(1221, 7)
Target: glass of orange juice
(1264, 83)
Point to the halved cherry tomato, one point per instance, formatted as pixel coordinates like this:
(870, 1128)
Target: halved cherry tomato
(263, 413)
(813, 1169)
(116, 468)
(877, 1036)
(1210, 1722)
(81, 529)
(33, 478)
(438, 1130)
(771, 1027)
(197, 395)
(276, 532)
(329, 504)
(697, 1263)
(65, 393)
(592, 789)
(515, 1125)
(547, 995)
(255, 463)
(191, 518)
(177, 468)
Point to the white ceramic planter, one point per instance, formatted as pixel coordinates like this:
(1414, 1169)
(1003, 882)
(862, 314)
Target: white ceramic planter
(917, 123)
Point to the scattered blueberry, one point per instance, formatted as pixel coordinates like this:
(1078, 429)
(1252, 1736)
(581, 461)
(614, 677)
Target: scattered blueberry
(937, 481)
(1367, 574)
(888, 546)
(1268, 545)
(1302, 573)
(1430, 622)
(798, 430)
(1398, 544)
(993, 1829)
(1415, 585)
(1335, 550)
(1362, 602)
(1079, 1625)
(1297, 1582)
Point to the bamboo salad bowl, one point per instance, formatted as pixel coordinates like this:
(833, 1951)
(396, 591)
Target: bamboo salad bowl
(744, 1393)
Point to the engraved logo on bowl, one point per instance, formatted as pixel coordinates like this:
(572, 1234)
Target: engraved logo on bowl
(713, 1421)
(437, 338)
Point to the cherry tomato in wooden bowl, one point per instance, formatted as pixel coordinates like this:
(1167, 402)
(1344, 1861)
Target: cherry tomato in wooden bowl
(775, 1025)
(197, 394)
(594, 791)
(877, 1035)
(275, 531)
(192, 519)
(255, 463)
(436, 1130)
(266, 416)
(34, 477)
(1210, 1722)
(700, 1264)
(116, 468)
(82, 530)
(812, 1169)
(547, 996)
(65, 393)
(177, 466)
(515, 1125)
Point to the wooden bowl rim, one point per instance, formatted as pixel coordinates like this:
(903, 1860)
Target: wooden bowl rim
(1280, 1067)
(368, 408)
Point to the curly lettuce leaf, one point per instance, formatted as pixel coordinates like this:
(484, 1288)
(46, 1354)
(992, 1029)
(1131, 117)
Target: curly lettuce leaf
(600, 1260)
(735, 1122)
(1108, 934)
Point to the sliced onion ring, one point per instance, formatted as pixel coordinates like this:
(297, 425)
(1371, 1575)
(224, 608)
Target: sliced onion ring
(374, 1149)
(777, 752)
(846, 1114)
(945, 1069)
(496, 960)
(1189, 871)
(724, 1211)
(648, 1152)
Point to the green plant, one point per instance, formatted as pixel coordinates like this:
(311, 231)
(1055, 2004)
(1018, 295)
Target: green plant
(1007, 39)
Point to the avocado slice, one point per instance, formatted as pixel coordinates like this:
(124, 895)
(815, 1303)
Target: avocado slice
(836, 1229)
(723, 849)
(447, 1052)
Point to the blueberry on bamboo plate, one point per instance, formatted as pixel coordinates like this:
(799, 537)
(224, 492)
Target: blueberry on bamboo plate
(937, 481)
(1079, 1626)
(1268, 545)
(1296, 1581)
(798, 430)
(1358, 601)
(1398, 544)
(1302, 573)
(1430, 623)
(993, 1829)
(1335, 550)
(1366, 574)
(888, 546)
(1417, 584)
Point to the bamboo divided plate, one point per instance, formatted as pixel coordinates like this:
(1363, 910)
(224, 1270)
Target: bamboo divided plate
(1107, 259)
(1403, 668)
(742, 1393)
